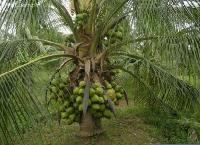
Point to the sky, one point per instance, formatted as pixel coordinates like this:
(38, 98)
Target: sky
(190, 3)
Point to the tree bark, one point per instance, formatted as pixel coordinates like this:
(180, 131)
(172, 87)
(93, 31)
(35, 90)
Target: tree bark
(90, 126)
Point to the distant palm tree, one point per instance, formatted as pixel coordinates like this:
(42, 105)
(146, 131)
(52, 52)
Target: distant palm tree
(156, 42)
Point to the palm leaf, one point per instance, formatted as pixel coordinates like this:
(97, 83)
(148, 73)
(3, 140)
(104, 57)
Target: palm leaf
(19, 106)
(18, 12)
(9, 50)
(65, 15)
(151, 97)
(86, 97)
(181, 96)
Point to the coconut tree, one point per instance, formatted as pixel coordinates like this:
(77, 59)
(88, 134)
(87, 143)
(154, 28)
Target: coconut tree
(154, 42)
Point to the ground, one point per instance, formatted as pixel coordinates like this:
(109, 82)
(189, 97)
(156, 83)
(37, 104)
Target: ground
(133, 125)
(125, 129)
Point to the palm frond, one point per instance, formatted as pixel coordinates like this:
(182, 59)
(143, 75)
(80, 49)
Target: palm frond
(17, 13)
(179, 51)
(76, 5)
(151, 97)
(174, 25)
(10, 50)
(19, 106)
(169, 88)
(63, 13)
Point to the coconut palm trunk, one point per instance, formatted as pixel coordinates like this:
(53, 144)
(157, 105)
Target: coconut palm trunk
(90, 126)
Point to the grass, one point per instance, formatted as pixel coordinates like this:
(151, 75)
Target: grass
(125, 129)
(134, 125)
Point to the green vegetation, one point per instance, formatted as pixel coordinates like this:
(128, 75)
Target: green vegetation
(77, 62)
(134, 124)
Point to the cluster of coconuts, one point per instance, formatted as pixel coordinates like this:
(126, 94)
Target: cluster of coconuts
(114, 36)
(58, 89)
(70, 100)
(60, 94)
(97, 104)
(81, 19)
(114, 92)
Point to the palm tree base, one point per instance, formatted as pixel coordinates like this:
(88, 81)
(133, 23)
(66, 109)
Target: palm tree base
(90, 126)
